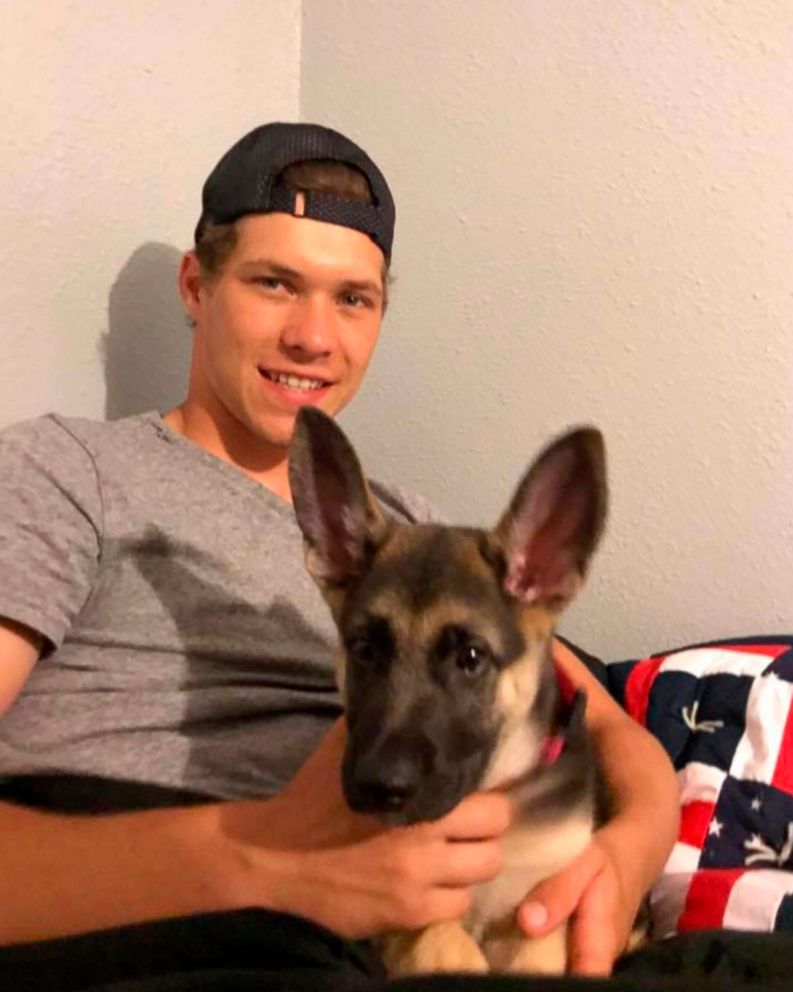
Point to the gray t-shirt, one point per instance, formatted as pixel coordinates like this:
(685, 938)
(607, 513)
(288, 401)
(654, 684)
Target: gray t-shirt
(187, 646)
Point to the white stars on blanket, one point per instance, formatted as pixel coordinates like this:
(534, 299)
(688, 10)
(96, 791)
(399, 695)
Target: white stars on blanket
(766, 852)
(715, 828)
(699, 726)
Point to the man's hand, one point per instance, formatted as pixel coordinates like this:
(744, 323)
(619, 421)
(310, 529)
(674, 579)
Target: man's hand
(588, 892)
(307, 853)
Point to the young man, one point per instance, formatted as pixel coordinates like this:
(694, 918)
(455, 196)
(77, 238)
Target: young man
(165, 662)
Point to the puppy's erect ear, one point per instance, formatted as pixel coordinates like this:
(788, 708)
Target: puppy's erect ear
(341, 523)
(555, 520)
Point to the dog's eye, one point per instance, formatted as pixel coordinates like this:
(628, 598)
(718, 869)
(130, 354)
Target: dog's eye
(459, 647)
(371, 643)
(471, 659)
(361, 649)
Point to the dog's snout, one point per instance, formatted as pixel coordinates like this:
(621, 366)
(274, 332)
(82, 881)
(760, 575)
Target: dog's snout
(386, 777)
(388, 797)
(385, 788)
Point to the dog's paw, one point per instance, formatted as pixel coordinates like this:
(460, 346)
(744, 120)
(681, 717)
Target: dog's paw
(440, 947)
(529, 955)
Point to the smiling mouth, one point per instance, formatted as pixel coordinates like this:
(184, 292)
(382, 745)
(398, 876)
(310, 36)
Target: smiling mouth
(300, 383)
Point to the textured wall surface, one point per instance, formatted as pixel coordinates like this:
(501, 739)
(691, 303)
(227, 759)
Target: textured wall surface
(595, 224)
(112, 115)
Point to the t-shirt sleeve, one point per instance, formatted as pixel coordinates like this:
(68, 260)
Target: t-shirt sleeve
(405, 506)
(50, 526)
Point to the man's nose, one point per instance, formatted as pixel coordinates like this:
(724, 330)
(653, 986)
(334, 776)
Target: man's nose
(311, 329)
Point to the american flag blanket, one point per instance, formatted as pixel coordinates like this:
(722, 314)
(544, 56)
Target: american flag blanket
(724, 713)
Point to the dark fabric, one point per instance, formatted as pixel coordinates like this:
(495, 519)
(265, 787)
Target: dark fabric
(279, 951)
(91, 794)
(595, 665)
(269, 952)
(717, 959)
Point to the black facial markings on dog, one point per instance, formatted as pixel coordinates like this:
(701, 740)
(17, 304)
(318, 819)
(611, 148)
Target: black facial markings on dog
(371, 643)
(428, 601)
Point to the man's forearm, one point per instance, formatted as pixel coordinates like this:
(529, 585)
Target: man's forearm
(600, 891)
(302, 851)
(67, 874)
(645, 804)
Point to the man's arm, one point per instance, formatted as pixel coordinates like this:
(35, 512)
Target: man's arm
(19, 651)
(302, 852)
(605, 885)
(71, 874)
(62, 874)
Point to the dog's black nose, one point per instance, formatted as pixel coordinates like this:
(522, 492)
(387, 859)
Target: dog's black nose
(383, 787)
(385, 797)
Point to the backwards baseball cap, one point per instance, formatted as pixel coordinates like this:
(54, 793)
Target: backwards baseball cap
(246, 181)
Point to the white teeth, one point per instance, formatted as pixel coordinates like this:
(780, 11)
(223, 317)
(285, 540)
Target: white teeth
(294, 381)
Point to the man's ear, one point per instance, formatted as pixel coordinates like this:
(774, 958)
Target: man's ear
(554, 522)
(341, 523)
(190, 283)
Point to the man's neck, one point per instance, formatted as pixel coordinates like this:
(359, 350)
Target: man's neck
(266, 464)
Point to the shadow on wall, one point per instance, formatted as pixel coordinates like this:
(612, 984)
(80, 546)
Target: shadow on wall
(146, 350)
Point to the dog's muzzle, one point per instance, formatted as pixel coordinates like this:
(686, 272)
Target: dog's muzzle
(402, 779)
(387, 777)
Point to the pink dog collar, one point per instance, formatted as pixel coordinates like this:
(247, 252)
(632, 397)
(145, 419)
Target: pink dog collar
(571, 704)
(551, 749)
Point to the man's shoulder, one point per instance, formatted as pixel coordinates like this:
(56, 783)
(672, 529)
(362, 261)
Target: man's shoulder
(53, 432)
(46, 440)
(406, 506)
(97, 434)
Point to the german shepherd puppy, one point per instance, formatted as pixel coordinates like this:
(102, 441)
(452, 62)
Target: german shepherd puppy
(447, 676)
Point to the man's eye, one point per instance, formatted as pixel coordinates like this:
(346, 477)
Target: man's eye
(355, 300)
(269, 282)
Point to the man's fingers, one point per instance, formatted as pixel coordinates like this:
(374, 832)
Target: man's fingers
(443, 904)
(592, 947)
(477, 816)
(468, 863)
(555, 898)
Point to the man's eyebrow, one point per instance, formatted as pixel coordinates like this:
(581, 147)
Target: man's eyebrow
(284, 271)
(363, 285)
(275, 267)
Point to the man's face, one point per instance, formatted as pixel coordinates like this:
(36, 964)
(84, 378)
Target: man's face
(292, 319)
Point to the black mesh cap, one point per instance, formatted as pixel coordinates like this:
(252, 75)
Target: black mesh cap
(245, 181)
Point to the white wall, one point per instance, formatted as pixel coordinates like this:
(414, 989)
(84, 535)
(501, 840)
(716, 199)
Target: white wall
(595, 223)
(112, 115)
